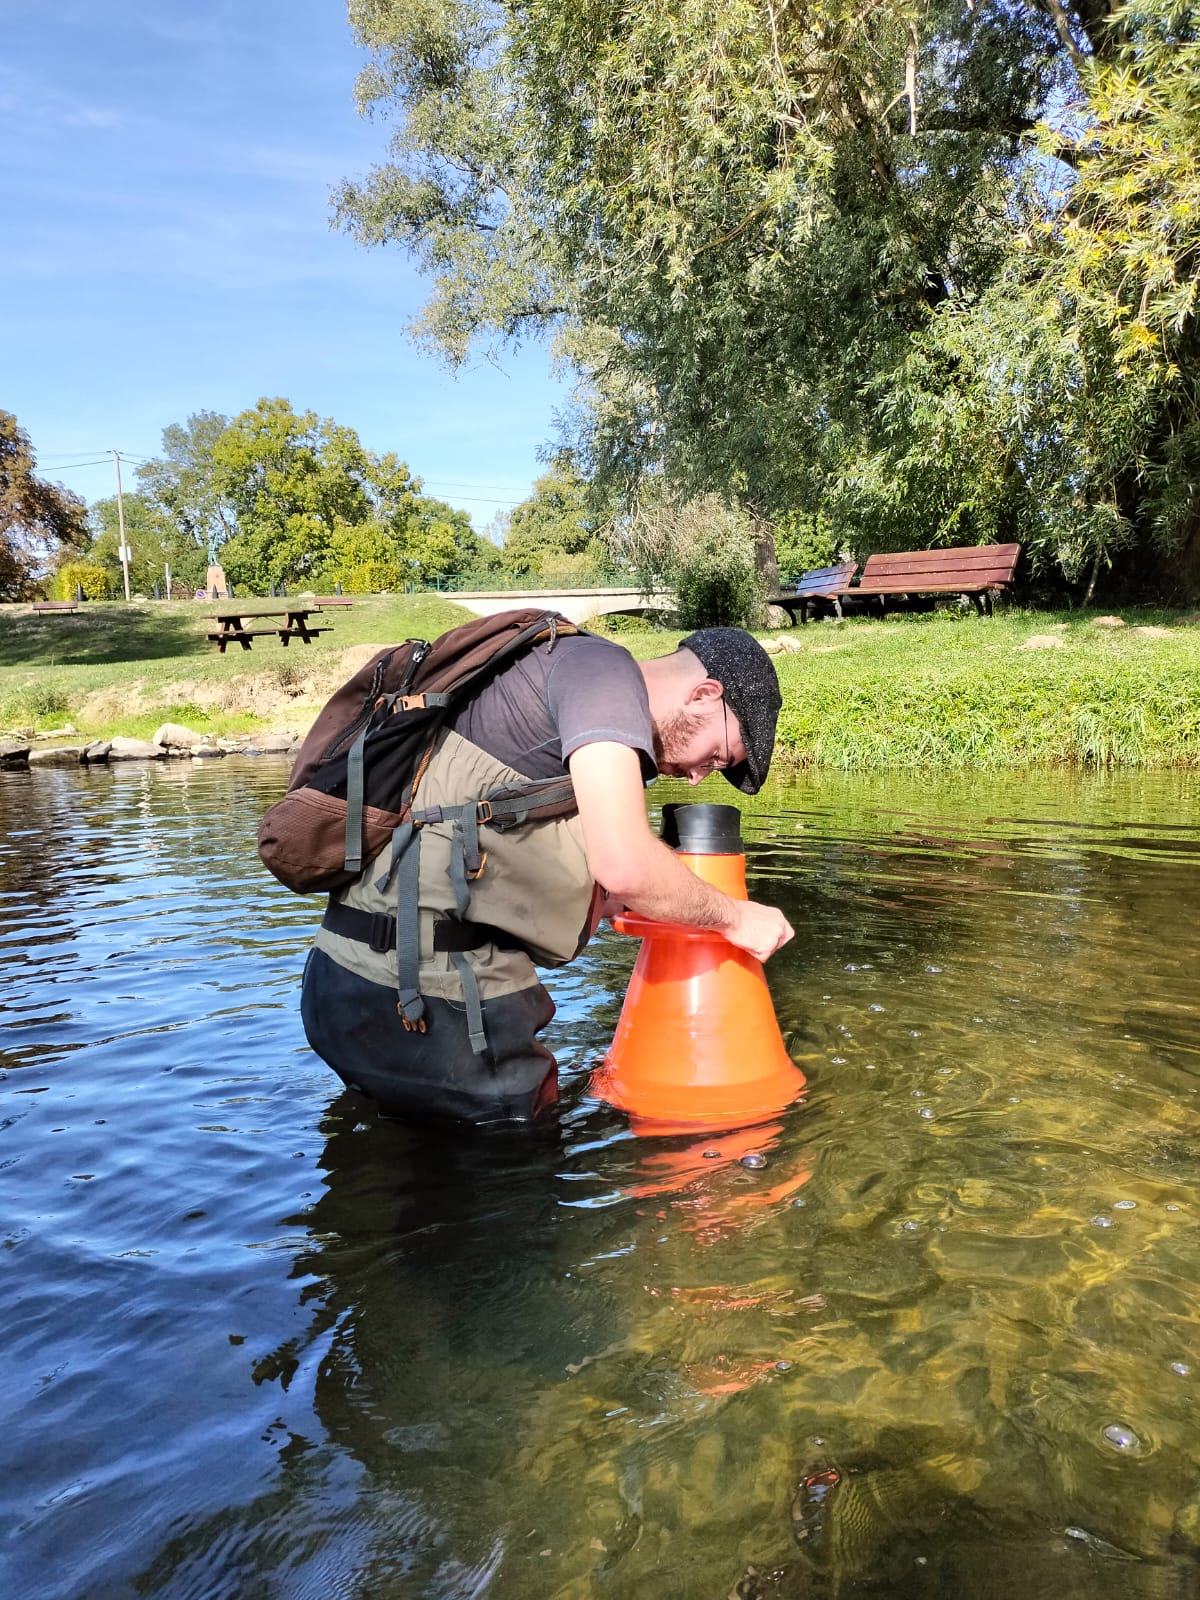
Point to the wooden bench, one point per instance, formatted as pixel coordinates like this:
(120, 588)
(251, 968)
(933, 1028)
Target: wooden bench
(55, 605)
(820, 585)
(325, 600)
(978, 571)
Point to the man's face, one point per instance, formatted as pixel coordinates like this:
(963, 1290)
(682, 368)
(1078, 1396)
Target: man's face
(698, 739)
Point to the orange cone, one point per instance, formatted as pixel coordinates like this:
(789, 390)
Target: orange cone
(697, 1045)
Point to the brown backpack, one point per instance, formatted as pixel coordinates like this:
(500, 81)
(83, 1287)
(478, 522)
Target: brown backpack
(358, 770)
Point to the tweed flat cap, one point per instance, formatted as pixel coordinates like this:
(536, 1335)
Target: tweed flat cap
(747, 674)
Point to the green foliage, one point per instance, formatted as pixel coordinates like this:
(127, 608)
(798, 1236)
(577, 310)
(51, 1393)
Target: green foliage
(814, 260)
(184, 484)
(804, 540)
(553, 530)
(85, 575)
(156, 543)
(38, 520)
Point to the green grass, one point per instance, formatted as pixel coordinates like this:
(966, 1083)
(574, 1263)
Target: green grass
(938, 690)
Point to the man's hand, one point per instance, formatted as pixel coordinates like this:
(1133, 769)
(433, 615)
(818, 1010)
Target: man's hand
(760, 930)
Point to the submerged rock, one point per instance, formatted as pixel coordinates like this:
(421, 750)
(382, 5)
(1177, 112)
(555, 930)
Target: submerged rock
(61, 755)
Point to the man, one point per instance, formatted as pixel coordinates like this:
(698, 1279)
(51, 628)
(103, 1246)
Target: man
(578, 704)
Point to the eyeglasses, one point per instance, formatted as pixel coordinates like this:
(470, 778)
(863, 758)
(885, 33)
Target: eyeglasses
(705, 769)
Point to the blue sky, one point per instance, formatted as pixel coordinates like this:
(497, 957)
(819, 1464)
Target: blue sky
(167, 249)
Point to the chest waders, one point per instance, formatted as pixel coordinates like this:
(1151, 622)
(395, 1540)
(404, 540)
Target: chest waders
(453, 913)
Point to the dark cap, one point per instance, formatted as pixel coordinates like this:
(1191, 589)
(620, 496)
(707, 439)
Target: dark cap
(747, 674)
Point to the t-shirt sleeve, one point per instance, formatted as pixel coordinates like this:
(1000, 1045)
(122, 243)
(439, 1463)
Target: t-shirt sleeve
(596, 694)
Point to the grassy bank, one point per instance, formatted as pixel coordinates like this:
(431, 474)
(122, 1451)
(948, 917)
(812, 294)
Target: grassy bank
(935, 690)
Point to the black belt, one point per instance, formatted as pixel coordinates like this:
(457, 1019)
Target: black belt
(377, 929)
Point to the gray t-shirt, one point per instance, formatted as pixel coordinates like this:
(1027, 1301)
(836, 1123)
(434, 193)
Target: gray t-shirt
(581, 690)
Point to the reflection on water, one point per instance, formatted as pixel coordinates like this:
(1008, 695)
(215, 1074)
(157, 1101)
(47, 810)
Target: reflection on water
(932, 1333)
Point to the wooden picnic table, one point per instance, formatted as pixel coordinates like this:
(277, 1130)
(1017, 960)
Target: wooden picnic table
(239, 626)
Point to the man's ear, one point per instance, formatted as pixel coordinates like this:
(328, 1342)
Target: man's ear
(707, 689)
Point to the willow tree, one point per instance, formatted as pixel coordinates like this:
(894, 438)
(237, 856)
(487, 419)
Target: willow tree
(743, 219)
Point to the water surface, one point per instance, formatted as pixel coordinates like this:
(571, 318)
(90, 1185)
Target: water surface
(942, 1341)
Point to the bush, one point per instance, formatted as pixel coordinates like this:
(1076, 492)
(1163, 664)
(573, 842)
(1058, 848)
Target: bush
(370, 577)
(84, 575)
(705, 551)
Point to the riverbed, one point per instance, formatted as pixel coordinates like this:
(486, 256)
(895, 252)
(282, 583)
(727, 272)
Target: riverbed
(937, 1336)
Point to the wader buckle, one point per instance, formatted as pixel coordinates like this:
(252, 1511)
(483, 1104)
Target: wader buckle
(483, 811)
(383, 932)
(410, 1027)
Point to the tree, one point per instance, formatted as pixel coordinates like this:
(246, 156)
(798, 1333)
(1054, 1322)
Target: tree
(183, 482)
(37, 518)
(155, 540)
(552, 532)
(784, 244)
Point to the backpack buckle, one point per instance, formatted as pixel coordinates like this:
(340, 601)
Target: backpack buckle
(382, 937)
(483, 811)
(477, 872)
(412, 702)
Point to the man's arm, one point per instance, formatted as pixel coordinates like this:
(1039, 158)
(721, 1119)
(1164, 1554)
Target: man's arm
(643, 873)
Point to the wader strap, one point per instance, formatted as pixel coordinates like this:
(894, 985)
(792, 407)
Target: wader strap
(408, 926)
(509, 807)
(400, 839)
(466, 976)
(378, 930)
(354, 804)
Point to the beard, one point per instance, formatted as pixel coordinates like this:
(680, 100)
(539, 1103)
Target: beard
(673, 736)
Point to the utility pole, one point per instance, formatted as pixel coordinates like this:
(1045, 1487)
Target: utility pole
(123, 550)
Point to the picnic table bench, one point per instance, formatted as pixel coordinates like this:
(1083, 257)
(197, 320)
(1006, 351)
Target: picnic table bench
(977, 571)
(237, 627)
(822, 584)
(55, 605)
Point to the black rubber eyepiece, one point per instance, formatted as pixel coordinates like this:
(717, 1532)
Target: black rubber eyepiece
(703, 830)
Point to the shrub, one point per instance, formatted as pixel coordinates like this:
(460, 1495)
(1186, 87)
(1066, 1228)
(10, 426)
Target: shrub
(84, 575)
(705, 551)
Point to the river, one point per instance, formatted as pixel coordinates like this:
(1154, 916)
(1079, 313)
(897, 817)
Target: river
(941, 1340)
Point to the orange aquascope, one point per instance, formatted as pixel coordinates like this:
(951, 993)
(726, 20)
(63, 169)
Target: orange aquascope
(697, 1046)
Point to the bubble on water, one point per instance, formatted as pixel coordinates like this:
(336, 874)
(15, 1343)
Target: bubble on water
(1101, 1222)
(754, 1160)
(918, 1094)
(875, 1007)
(978, 1019)
(1181, 1369)
(1121, 1437)
(945, 1072)
(1171, 1206)
(826, 997)
(838, 1061)
(799, 1203)
(1014, 1099)
(927, 1112)
(711, 1155)
(783, 1366)
(914, 1033)
(920, 1561)
(869, 1066)
(910, 1227)
(933, 969)
(1124, 1205)
(851, 966)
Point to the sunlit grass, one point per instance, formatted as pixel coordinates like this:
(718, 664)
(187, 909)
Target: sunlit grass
(934, 690)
